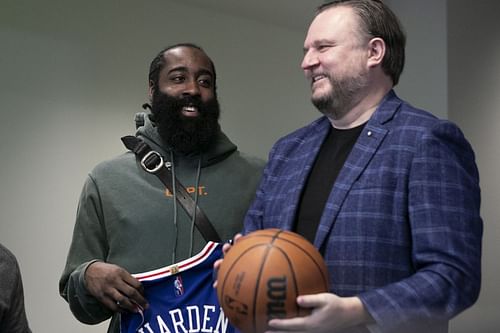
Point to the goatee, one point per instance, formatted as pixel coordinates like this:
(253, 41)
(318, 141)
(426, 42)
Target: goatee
(344, 93)
(186, 135)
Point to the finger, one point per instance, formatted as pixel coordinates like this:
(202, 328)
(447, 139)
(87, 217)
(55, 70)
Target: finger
(112, 304)
(237, 237)
(228, 245)
(225, 248)
(292, 324)
(217, 264)
(126, 304)
(133, 282)
(311, 301)
(133, 294)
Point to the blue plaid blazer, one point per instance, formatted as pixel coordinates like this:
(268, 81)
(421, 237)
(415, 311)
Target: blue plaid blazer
(401, 228)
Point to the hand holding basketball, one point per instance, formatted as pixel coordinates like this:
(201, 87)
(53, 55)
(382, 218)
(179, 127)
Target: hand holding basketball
(262, 275)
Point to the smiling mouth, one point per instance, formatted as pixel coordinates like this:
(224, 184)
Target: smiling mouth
(190, 111)
(317, 78)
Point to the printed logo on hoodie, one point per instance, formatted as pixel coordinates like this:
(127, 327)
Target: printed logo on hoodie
(190, 189)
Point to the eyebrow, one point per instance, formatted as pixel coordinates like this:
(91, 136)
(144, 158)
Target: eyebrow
(201, 71)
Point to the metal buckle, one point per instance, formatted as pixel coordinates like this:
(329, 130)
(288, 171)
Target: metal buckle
(157, 167)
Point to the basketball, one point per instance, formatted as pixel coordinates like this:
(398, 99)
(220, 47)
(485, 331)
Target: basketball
(262, 275)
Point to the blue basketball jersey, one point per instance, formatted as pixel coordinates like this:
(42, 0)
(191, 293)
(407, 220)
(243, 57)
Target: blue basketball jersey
(181, 298)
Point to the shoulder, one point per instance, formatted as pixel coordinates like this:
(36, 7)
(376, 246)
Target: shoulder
(410, 115)
(301, 141)
(393, 113)
(407, 123)
(113, 173)
(304, 133)
(412, 119)
(8, 262)
(226, 153)
(248, 161)
(423, 133)
(117, 164)
(238, 167)
(6, 255)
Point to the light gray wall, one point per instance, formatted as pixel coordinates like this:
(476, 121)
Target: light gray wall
(73, 73)
(424, 79)
(474, 100)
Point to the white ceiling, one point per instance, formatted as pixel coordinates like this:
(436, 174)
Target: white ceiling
(290, 14)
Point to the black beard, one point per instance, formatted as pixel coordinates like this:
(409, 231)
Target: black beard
(183, 134)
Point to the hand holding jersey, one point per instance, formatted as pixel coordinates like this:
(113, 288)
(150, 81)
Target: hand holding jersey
(181, 298)
(225, 248)
(115, 287)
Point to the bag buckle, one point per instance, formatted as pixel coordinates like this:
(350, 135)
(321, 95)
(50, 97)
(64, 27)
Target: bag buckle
(158, 165)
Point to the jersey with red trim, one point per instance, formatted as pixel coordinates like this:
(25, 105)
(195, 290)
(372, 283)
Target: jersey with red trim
(181, 298)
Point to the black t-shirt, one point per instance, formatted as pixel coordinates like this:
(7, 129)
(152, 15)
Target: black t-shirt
(331, 157)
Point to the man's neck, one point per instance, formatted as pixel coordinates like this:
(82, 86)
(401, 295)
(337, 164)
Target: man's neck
(361, 111)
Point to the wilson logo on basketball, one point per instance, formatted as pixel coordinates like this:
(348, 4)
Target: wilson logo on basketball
(276, 297)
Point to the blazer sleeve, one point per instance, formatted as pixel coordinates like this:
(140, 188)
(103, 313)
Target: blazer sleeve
(446, 233)
(88, 245)
(253, 218)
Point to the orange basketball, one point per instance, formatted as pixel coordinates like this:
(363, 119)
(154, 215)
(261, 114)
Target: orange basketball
(262, 275)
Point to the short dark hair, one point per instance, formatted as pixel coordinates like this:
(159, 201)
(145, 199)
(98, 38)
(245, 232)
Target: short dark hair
(378, 20)
(159, 62)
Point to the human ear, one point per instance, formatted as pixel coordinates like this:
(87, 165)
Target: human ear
(151, 90)
(376, 51)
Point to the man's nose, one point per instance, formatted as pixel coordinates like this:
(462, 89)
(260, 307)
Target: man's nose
(191, 88)
(310, 60)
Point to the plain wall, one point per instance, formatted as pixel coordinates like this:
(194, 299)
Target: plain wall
(73, 74)
(474, 101)
(423, 82)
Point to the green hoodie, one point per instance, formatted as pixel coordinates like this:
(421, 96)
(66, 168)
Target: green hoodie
(126, 216)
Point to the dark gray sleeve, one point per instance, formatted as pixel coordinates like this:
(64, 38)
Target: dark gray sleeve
(12, 312)
(89, 244)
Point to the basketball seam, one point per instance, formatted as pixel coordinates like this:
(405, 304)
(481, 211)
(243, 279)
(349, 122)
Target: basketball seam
(259, 275)
(324, 277)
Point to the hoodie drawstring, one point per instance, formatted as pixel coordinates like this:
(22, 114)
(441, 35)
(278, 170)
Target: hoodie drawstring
(174, 193)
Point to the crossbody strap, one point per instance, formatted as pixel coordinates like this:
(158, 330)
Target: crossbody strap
(152, 162)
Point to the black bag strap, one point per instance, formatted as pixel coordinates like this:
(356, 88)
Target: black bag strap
(152, 162)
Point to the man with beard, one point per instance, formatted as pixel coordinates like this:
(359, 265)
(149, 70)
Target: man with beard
(128, 222)
(388, 193)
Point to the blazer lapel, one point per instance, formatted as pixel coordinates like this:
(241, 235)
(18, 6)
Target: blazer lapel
(309, 149)
(363, 151)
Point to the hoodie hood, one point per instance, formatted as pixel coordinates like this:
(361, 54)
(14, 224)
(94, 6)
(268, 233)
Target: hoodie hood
(220, 150)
